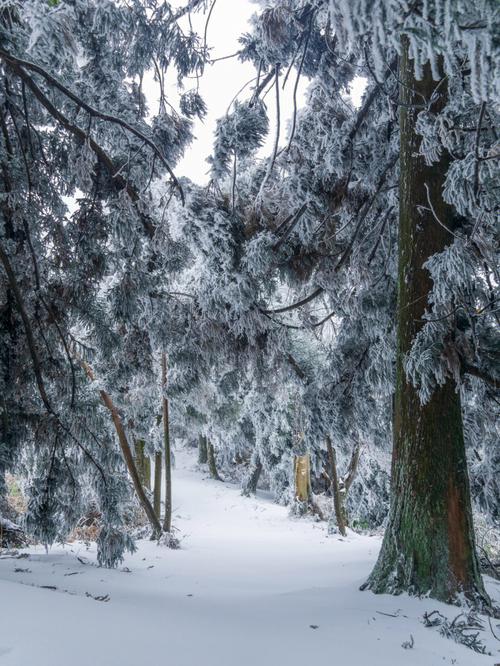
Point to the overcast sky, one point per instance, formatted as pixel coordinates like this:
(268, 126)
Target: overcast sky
(222, 81)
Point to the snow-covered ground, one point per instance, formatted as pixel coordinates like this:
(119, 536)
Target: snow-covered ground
(249, 587)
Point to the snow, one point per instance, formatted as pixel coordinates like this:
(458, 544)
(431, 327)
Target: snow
(249, 586)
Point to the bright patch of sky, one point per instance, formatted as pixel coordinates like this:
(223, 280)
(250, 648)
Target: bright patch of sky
(223, 81)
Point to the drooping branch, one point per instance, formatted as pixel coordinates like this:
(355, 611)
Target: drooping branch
(278, 130)
(296, 86)
(292, 222)
(119, 181)
(293, 306)
(37, 367)
(20, 66)
(481, 374)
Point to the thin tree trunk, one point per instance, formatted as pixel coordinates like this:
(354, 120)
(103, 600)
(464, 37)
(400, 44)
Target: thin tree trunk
(157, 485)
(167, 521)
(252, 480)
(334, 485)
(202, 450)
(352, 469)
(143, 463)
(127, 454)
(428, 546)
(302, 474)
(212, 465)
(347, 481)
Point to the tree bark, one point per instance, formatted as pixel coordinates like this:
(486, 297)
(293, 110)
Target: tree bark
(302, 474)
(143, 463)
(202, 450)
(334, 485)
(127, 455)
(352, 469)
(212, 464)
(428, 546)
(167, 521)
(252, 480)
(157, 485)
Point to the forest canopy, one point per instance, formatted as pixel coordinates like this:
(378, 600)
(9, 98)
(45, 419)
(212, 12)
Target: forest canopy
(324, 304)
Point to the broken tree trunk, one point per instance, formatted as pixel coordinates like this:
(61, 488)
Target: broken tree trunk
(302, 475)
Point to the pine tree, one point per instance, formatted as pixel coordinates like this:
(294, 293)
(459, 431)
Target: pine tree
(428, 544)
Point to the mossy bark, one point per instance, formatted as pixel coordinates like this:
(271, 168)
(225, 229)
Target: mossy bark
(428, 546)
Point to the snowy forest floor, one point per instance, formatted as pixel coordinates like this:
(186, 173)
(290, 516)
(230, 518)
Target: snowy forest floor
(249, 586)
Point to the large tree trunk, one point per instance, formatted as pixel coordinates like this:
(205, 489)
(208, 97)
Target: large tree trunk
(428, 546)
(167, 521)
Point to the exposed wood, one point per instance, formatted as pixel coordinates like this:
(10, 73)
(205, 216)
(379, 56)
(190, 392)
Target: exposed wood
(302, 476)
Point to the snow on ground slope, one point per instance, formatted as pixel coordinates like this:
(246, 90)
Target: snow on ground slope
(249, 587)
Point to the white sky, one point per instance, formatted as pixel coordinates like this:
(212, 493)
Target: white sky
(222, 81)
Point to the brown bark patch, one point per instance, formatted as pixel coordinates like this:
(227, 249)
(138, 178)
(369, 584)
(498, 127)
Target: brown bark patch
(457, 545)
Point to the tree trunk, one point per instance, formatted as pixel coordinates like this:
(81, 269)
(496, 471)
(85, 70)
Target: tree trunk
(143, 464)
(347, 482)
(428, 546)
(302, 474)
(212, 465)
(127, 455)
(334, 485)
(250, 483)
(167, 521)
(202, 450)
(157, 486)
